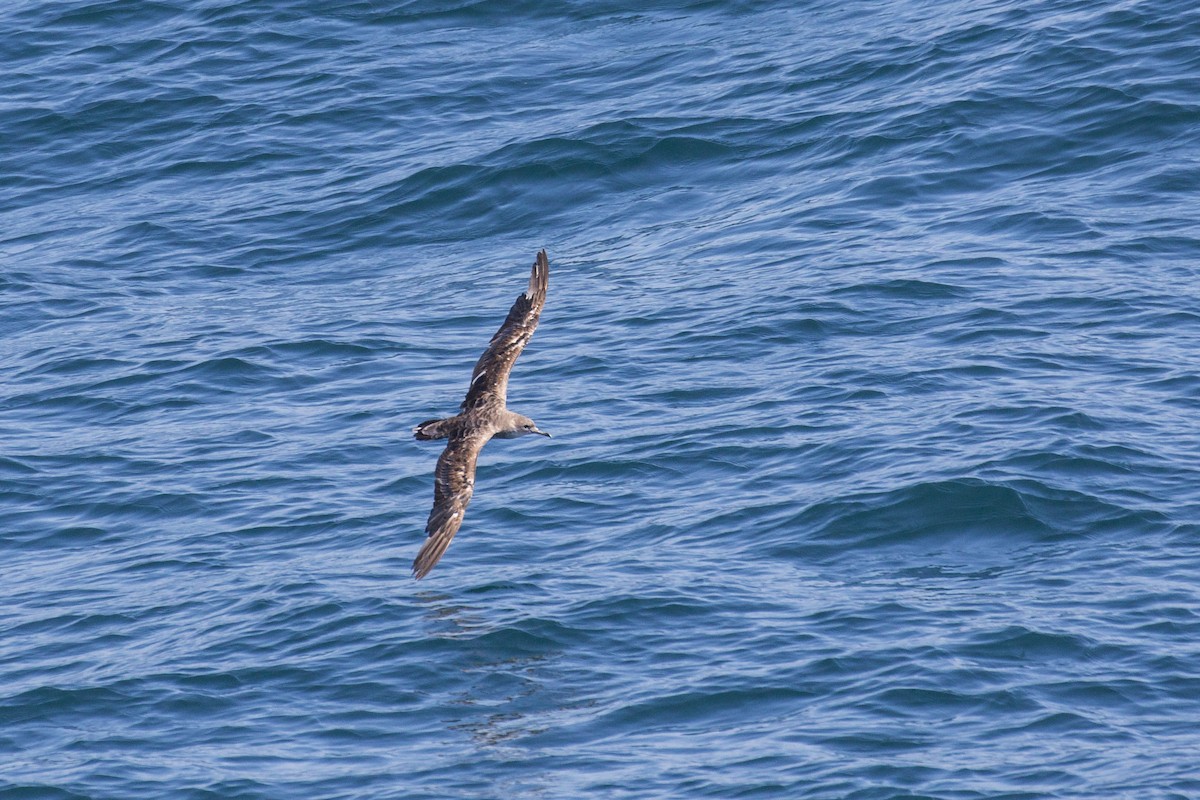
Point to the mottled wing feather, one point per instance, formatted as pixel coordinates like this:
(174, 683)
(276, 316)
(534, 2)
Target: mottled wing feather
(489, 379)
(453, 485)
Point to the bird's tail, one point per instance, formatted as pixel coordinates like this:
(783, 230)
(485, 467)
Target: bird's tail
(433, 429)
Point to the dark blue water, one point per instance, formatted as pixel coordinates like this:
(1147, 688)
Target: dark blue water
(872, 356)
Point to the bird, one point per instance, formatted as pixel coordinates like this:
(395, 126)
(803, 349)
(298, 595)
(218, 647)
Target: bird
(483, 416)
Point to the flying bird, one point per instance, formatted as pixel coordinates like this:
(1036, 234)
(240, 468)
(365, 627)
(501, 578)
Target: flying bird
(482, 416)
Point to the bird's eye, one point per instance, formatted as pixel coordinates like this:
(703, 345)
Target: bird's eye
(528, 427)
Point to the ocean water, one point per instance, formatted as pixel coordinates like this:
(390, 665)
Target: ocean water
(871, 355)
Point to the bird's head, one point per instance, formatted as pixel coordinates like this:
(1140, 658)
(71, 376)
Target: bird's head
(519, 425)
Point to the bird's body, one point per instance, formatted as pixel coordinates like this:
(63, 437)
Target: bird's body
(482, 417)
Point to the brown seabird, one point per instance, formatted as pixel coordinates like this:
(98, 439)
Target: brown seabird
(481, 417)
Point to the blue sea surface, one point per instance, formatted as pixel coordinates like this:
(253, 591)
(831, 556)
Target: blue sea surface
(871, 355)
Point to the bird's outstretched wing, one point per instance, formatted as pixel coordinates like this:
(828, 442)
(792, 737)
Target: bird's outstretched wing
(453, 485)
(489, 379)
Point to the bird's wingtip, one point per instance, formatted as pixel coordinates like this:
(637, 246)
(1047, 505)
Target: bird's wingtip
(538, 275)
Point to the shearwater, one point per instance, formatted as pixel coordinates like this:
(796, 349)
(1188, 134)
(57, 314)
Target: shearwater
(482, 416)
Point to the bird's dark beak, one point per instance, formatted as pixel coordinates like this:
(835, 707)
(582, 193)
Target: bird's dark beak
(543, 433)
